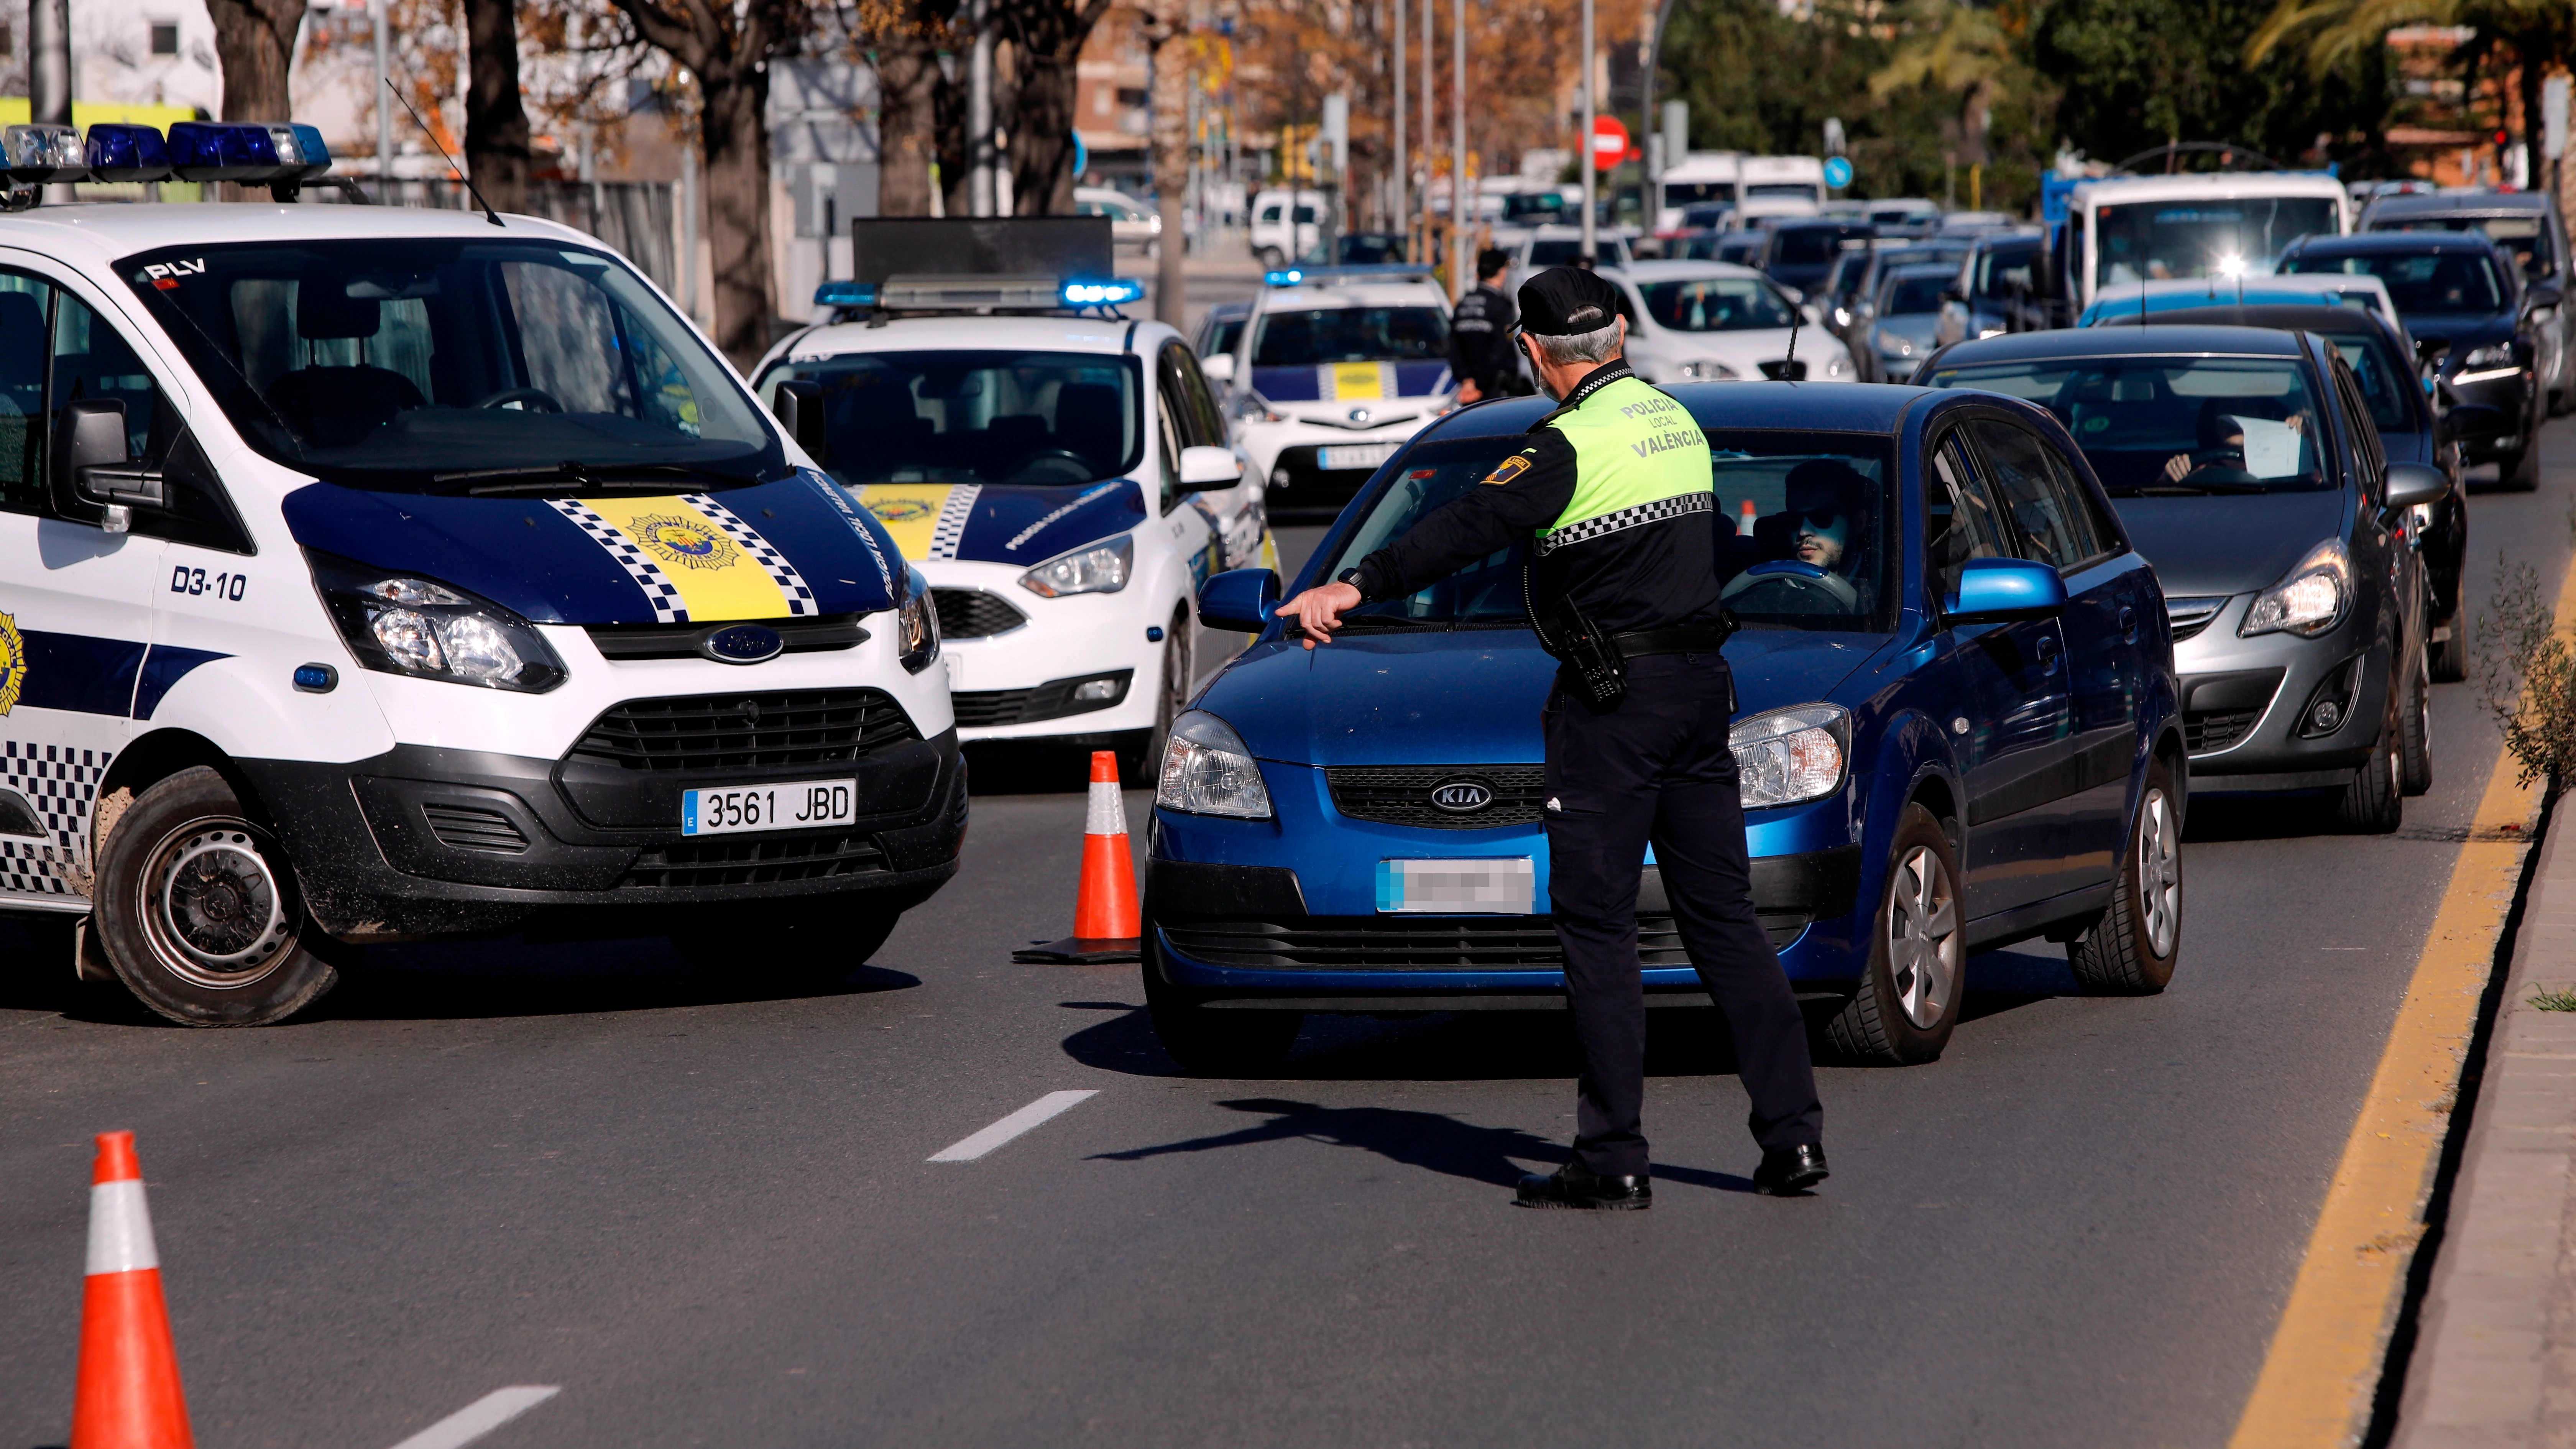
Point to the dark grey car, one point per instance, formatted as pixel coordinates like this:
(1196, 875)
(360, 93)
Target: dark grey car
(2525, 225)
(2245, 465)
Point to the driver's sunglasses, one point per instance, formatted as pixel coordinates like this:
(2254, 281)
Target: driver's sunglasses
(1820, 517)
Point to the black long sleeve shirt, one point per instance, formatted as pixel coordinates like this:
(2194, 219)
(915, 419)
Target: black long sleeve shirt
(1480, 343)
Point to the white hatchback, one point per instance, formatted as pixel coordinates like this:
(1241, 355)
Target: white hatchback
(1717, 322)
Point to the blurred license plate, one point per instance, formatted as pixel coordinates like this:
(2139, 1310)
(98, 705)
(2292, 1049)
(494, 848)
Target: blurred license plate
(1353, 455)
(1507, 887)
(769, 807)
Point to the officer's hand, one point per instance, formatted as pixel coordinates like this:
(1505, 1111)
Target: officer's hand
(1468, 392)
(1319, 611)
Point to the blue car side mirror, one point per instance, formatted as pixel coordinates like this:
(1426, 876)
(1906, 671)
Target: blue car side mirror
(1999, 590)
(1241, 600)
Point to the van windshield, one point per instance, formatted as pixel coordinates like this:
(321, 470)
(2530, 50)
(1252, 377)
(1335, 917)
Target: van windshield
(2153, 241)
(431, 365)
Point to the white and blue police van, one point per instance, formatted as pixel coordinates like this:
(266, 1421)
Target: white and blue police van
(1063, 474)
(374, 574)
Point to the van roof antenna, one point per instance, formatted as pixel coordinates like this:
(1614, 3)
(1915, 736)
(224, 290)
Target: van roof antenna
(489, 214)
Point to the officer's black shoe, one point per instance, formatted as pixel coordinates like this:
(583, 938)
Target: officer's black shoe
(1577, 1186)
(1788, 1170)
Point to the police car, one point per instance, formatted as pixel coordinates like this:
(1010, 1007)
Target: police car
(370, 573)
(1336, 367)
(1061, 473)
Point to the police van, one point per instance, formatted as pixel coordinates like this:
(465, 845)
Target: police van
(1061, 473)
(376, 574)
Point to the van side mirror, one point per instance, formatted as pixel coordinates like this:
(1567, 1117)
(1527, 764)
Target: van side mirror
(1239, 600)
(799, 406)
(1218, 368)
(91, 464)
(2412, 483)
(1204, 467)
(2001, 590)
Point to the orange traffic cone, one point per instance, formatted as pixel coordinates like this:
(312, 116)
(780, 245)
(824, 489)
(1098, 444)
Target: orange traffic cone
(1105, 923)
(1747, 519)
(129, 1394)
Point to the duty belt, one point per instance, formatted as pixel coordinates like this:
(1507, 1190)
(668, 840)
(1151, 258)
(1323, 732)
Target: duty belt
(1683, 639)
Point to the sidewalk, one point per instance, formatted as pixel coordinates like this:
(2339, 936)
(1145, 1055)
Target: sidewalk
(2494, 1365)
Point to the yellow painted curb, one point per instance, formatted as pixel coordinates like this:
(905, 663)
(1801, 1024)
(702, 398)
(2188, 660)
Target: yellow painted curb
(2324, 1364)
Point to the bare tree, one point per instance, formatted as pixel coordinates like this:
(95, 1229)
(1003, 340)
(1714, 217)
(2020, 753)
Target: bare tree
(1167, 34)
(496, 123)
(254, 44)
(1047, 36)
(727, 50)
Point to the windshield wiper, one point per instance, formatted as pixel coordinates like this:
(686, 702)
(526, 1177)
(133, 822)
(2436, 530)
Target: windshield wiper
(497, 482)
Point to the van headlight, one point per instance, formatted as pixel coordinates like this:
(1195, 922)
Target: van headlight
(1207, 771)
(404, 624)
(919, 623)
(1784, 756)
(2309, 601)
(1100, 569)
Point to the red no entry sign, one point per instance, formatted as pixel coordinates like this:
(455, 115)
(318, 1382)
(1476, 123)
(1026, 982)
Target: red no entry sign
(1609, 140)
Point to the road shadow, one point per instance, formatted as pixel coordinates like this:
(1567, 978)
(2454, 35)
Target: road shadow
(2001, 981)
(1027, 770)
(1427, 1141)
(1443, 1046)
(2278, 817)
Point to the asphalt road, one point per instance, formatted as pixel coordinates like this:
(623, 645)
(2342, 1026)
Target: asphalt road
(703, 1207)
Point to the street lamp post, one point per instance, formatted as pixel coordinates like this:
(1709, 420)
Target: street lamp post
(1403, 167)
(384, 108)
(979, 112)
(1591, 242)
(1458, 149)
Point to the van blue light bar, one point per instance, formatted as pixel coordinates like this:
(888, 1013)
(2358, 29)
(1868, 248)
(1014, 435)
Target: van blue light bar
(122, 152)
(211, 151)
(1095, 292)
(846, 294)
(42, 154)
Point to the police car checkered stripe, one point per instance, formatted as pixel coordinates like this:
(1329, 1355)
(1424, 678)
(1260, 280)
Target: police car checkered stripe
(800, 597)
(61, 785)
(1680, 505)
(953, 514)
(658, 589)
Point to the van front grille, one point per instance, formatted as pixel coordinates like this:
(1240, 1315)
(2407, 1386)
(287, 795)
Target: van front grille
(746, 731)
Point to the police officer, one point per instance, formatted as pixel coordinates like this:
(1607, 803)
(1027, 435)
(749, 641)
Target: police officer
(1481, 351)
(1614, 490)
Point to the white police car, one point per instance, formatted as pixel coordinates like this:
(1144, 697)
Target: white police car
(1060, 473)
(1336, 367)
(370, 573)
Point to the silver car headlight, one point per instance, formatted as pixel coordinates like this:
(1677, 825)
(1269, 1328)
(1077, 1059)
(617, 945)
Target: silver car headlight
(2310, 601)
(1707, 372)
(1784, 756)
(1208, 771)
(1102, 568)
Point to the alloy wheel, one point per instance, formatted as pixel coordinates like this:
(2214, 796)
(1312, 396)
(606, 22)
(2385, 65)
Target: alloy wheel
(1923, 941)
(2159, 874)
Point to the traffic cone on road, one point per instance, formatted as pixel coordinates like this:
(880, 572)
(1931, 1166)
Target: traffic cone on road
(129, 1394)
(1105, 922)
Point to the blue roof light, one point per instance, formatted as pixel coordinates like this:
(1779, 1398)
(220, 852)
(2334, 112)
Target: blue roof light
(846, 294)
(1095, 292)
(308, 149)
(1286, 277)
(122, 152)
(40, 154)
(213, 151)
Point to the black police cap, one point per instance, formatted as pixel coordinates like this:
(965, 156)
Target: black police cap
(1564, 301)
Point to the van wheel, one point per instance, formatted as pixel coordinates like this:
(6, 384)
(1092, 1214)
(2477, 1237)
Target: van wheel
(790, 946)
(2415, 731)
(198, 910)
(2131, 950)
(2375, 802)
(1909, 1000)
(1210, 1042)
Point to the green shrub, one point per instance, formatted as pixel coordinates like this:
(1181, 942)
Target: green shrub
(2527, 676)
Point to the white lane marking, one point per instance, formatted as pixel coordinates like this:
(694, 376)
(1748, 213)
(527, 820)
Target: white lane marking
(481, 1417)
(1003, 1131)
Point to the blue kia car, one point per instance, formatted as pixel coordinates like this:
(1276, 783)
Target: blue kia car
(1956, 725)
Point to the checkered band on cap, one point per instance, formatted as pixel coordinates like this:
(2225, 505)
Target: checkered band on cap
(800, 597)
(1680, 505)
(658, 589)
(60, 785)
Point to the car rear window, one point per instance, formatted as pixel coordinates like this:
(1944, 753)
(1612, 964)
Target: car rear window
(2453, 281)
(2174, 425)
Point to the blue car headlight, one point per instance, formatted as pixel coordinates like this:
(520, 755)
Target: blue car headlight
(1208, 771)
(1784, 756)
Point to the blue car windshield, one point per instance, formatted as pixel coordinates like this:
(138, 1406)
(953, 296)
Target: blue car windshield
(2174, 425)
(1805, 523)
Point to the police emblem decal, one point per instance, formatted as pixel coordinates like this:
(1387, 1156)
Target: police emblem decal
(685, 542)
(1512, 467)
(13, 663)
(899, 510)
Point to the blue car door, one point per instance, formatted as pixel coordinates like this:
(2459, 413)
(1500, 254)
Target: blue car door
(2009, 681)
(2056, 526)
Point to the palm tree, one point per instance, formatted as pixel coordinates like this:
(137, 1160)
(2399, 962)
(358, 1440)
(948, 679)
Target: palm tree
(1953, 46)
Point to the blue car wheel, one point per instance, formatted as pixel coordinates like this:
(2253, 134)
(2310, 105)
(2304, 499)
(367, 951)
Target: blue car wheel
(2131, 950)
(1908, 1000)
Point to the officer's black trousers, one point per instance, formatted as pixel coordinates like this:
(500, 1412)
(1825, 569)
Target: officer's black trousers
(1658, 768)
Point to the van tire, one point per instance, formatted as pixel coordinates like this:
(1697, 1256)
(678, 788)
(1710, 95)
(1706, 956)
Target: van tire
(199, 913)
(2131, 951)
